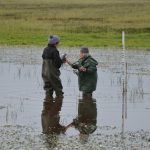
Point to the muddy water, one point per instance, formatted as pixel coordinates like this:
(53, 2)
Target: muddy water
(21, 100)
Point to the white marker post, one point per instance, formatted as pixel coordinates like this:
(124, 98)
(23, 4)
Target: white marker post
(124, 83)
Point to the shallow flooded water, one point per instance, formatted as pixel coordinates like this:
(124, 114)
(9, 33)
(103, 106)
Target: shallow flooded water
(22, 94)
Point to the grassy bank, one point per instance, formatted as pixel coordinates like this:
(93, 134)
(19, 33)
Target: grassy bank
(95, 23)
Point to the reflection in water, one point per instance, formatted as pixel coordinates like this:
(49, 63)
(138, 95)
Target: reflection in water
(51, 117)
(137, 92)
(51, 121)
(86, 121)
(21, 91)
(13, 112)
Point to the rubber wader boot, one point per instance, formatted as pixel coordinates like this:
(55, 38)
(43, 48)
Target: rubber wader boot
(87, 95)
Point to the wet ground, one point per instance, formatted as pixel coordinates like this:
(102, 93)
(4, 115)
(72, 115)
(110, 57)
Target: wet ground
(21, 102)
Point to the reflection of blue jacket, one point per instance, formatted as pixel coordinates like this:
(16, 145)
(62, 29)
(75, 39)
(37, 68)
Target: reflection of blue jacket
(87, 80)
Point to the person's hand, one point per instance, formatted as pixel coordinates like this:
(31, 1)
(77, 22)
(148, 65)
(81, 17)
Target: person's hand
(82, 124)
(63, 57)
(68, 62)
(82, 69)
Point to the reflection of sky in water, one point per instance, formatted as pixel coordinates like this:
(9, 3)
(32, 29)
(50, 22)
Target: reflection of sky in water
(21, 92)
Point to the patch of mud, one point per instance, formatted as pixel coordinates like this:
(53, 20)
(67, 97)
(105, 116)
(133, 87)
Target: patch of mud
(17, 137)
(106, 138)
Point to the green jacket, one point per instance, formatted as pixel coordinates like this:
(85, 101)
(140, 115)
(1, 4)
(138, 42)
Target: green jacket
(87, 80)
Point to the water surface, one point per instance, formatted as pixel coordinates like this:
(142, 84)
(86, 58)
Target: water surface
(21, 99)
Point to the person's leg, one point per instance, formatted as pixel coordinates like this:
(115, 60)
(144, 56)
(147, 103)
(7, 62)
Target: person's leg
(87, 94)
(57, 86)
(47, 104)
(48, 91)
(45, 116)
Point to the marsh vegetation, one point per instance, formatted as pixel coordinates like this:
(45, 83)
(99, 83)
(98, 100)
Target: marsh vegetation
(95, 23)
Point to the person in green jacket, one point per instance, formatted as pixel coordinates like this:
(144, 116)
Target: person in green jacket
(87, 72)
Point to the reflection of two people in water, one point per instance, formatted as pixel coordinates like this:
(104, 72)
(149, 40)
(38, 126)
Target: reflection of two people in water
(85, 122)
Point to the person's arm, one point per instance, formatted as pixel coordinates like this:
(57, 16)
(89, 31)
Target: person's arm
(91, 66)
(91, 69)
(68, 62)
(43, 54)
(56, 59)
(73, 65)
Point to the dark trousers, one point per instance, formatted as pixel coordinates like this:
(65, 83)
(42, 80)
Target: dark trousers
(53, 85)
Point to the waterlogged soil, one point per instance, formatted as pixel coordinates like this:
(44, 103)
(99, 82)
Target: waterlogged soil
(22, 94)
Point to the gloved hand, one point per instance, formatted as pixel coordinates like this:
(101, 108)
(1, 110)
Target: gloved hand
(63, 57)
(76, 72)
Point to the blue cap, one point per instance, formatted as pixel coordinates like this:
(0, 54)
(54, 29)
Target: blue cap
(53, 39)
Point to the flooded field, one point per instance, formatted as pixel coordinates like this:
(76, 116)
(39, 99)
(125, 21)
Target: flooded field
(22, 94)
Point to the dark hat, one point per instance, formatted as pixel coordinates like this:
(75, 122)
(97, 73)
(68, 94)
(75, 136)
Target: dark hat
(84, 50)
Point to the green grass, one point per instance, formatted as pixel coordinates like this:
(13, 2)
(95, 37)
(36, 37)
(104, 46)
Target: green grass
(96, 23)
